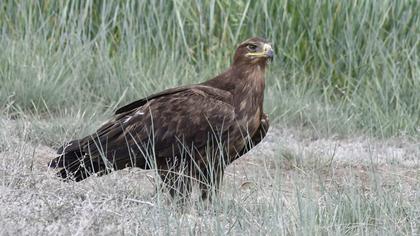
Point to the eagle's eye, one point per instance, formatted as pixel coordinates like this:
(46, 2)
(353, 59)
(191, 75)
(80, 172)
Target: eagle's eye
(252, 47)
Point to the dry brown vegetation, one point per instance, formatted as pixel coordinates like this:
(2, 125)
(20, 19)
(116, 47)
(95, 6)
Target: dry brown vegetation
(290, 184)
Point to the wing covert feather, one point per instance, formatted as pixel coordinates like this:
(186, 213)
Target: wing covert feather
(189, 114)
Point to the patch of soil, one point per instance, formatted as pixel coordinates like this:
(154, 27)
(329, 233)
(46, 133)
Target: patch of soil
(285, 152)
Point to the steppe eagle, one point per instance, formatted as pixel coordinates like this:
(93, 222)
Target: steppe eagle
(188, 133)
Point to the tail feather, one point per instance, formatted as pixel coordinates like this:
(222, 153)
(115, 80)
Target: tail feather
(65, 160)
(81, 169)
(68, 154)
(77, 168)
(77, 165)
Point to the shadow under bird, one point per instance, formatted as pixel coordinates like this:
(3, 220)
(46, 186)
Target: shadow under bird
(187, 134)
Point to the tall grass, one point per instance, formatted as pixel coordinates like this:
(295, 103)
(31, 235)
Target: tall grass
(341, 66)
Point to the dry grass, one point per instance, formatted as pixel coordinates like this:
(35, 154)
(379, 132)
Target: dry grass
(342, 68)
(290, 184)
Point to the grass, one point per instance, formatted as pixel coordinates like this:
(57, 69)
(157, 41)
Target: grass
(337, 62)
(271, 195)
(342, 68)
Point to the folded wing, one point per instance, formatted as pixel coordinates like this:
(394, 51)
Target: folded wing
(154, 126)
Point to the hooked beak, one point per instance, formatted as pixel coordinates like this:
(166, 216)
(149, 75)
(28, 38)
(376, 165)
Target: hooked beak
(267, 52)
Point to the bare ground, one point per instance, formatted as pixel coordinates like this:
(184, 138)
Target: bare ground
(33, 201)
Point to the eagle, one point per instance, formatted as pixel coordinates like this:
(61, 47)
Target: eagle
(189, 133)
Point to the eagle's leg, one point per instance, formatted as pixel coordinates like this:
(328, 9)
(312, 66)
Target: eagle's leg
(178, 185)
(262, 129)
(258, 136)
(210, 182)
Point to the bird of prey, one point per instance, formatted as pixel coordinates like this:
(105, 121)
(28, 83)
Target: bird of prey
(187, 134)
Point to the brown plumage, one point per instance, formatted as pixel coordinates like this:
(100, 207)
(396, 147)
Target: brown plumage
(197, 130)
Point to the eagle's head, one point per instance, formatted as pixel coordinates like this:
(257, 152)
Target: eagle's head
(255, 50)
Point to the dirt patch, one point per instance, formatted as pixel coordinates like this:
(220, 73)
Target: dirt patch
(283, 149)
(285, 174)
(332, 160)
